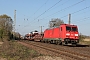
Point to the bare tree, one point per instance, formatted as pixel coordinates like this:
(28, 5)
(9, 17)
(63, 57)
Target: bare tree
(55, 22)
(5, 26)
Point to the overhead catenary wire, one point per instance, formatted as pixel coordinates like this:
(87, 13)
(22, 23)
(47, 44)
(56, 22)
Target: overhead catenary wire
(40, 7)
(54, 8)
(37, 10)
(61, 9)
(48, 9)
(34, 13)
(61, 4)
(76, 11)
(70, 7)
(82, 19)
(65, 8)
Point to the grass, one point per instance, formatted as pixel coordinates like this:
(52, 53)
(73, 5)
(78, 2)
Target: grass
(85, 42)
(11, 50)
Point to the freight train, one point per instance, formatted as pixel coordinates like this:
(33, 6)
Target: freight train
(33, 36)
(64, 34)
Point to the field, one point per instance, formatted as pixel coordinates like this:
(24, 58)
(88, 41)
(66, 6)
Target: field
(11, 50)
(85, 41)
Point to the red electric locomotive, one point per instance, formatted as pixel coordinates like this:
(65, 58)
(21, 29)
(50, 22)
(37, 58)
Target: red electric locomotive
(64, 34)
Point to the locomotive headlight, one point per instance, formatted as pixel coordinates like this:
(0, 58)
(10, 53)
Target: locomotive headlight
(67, 34)
(76, 34)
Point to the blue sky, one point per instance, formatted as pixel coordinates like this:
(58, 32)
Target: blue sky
(31, 14)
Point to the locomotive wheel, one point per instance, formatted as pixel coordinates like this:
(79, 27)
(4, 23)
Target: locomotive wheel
(46, 41)
(60, 43)
(57, 42)
(63, 43)
(41, 40)
(51, 41)
(66, 41)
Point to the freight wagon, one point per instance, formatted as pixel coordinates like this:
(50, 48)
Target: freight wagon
(34, 36)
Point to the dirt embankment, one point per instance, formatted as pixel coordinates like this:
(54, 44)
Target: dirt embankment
(1, 43)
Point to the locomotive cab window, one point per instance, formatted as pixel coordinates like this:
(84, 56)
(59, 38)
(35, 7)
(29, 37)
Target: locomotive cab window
(74, 28)
(68, 28)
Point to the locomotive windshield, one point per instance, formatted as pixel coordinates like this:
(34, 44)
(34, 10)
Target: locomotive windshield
(69, 28)
(74, 29)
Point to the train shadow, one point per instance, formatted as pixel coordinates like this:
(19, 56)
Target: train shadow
(78, 45)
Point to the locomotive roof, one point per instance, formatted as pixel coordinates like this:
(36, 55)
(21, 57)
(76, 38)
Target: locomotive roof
(61, 24)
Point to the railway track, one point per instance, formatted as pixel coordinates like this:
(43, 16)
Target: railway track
(61, 51)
